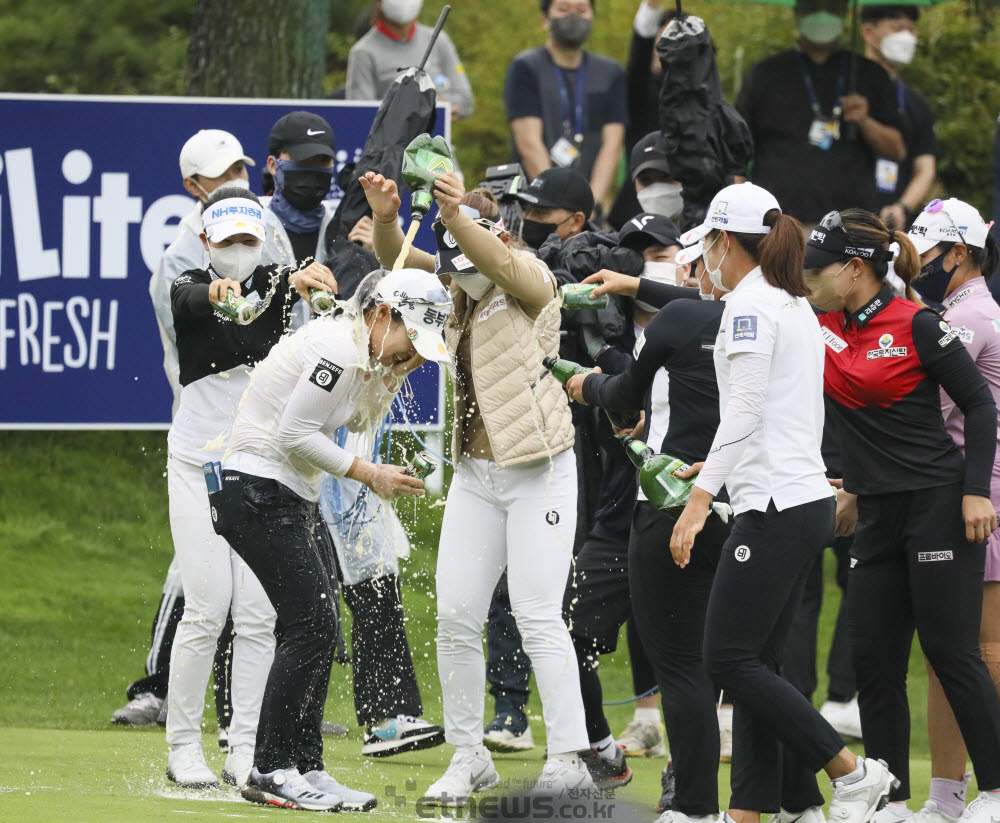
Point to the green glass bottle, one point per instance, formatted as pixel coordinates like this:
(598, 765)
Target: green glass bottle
(563, 370)
(656, 476)
(422, 159)
(577, 296)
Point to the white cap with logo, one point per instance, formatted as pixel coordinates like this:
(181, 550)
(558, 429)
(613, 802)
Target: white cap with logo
(948, 221)
(233, 215)
(210, 152)
(425, 306)
(738, 208)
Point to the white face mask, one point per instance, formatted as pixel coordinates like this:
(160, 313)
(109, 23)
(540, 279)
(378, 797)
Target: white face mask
(899, 47)
(821, 28)
(473, 284)
(401, 11)
(235, 262)
(715, 275)
(662, 198)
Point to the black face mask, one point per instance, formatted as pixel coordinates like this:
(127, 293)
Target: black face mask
(933, 280)
(570, 31)
(305, 190)
(534, 233)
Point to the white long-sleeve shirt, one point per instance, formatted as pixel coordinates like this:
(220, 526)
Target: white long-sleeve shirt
(312, 383)
(769, 362)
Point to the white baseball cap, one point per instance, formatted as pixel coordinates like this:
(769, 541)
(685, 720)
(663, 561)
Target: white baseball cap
(210, 152)
(233, 215)
(948, 221)
(425, 306)
(738, 208)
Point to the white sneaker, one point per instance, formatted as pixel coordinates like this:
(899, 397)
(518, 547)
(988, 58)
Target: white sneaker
(504, 740)
(670, 816)
(354, 801)
(930, 813)
(814, 814)
(186, 766)
(288, 789)
(983, 809)
(844, 717)
(893, 813)
(560, 776)
(856, 802)
(468, 772)
(642, 740)
(141, 710)
(725, 734)
(239, 762)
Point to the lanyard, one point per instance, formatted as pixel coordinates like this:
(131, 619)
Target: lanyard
(814, 98)
(575, 111)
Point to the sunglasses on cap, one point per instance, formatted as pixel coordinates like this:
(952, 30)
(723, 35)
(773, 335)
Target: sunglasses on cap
(833, 224)
(938, 207)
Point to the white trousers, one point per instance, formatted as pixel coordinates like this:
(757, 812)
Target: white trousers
(215, 579)
(522, 518)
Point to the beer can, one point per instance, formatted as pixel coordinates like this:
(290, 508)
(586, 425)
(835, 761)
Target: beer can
(422, 465)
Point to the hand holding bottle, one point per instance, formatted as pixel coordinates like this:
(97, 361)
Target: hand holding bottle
(574, 386)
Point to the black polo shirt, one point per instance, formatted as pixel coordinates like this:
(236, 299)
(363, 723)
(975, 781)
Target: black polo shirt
(536, 87)
(917, 122)
(809, 181)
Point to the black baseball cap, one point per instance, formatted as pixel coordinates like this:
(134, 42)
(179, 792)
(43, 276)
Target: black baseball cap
(559, 188)
(302, 134)
(647, 229)
(647, 154)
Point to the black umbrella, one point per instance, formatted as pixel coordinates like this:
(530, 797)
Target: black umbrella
(704, 138)
(406, 111)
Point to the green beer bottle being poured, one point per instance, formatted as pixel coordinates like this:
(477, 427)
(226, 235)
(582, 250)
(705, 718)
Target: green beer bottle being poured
(425, 157)
(563, 370)
(656, 476)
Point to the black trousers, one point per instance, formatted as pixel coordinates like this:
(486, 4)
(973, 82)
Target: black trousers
(284, 542)
(914, 569)
(669, 604)
(799, 667)
(385, 683)
(754, 597)
(168, 617)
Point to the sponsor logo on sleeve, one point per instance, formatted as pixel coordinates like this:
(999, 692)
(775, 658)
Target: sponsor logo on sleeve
(745, 327)
(326, 375)
(949, 334)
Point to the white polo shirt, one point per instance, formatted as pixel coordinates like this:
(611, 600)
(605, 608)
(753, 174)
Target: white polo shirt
(773, 455)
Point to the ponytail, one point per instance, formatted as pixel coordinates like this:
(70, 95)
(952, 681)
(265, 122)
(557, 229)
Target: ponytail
(779, 253)
(906, 264)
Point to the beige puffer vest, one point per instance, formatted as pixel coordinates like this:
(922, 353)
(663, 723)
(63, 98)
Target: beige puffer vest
(526, 418)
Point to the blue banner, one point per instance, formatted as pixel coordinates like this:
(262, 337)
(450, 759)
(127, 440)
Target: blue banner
(90, 196)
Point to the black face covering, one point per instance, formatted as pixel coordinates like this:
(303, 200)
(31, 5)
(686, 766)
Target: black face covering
(570, 31)
(305, 190)
(934, 279)
(534, 233)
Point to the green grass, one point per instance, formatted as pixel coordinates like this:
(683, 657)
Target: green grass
(84, 545)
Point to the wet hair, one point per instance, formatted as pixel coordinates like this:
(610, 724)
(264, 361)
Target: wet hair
(229, 190)
(779, 252)
(867, 230)
(365, 297)
(545, 5)
(876, 14)
(985, 259)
